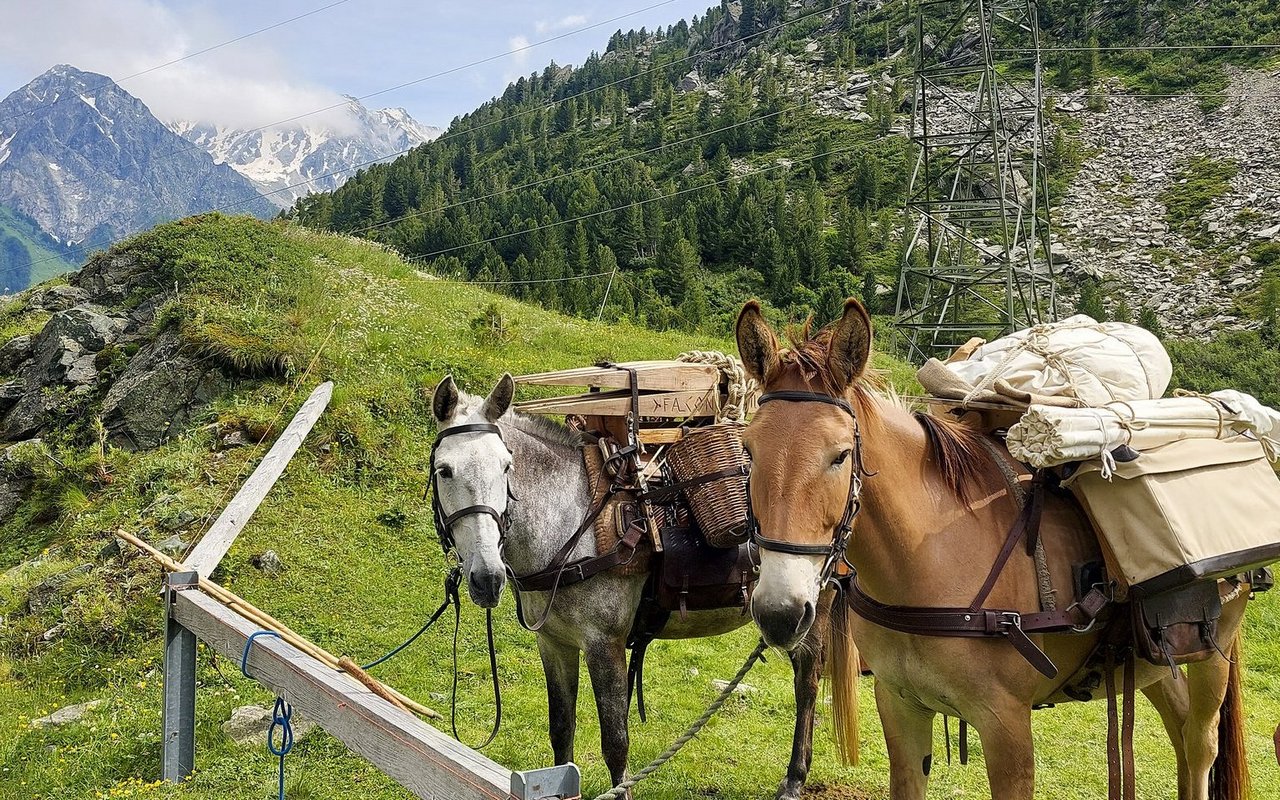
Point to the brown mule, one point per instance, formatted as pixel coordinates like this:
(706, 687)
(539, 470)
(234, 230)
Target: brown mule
(933, 512)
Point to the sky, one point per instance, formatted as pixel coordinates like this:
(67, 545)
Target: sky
(357, 47)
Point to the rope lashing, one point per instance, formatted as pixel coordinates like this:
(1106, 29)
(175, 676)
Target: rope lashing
(281, 713)
(692, 731)
(742, 390)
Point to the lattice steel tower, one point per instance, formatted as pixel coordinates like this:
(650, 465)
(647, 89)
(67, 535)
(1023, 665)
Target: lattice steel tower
(978, 262)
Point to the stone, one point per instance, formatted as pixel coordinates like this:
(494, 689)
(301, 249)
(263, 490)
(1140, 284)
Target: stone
(13, 353)
(248, 725)
(57, 298)
(85, 325)
(1058, 254)
(268, 562)
(742, 689)
(1268, 233)
(236, 438)
(691, 82)
(44, 594)
(174, 546)
(158, 394)
(67, 715)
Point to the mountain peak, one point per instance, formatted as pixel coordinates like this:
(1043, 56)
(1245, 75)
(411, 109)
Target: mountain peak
(304, 157)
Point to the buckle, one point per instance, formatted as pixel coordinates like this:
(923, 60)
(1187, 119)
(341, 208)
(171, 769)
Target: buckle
(999, 623)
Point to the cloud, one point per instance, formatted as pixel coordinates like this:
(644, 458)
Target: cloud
(246, 84)
(520, 43)
(571, 21)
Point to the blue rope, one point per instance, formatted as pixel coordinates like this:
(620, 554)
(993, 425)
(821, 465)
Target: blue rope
(281, 714)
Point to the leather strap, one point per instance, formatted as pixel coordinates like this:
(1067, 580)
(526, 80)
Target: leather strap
(966, 623)
(808, 397)
(1113, 730)
(1129, 787)
(671, 490)
(581, 569)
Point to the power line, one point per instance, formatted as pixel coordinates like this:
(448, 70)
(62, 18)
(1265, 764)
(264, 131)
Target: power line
(554, 103)
(448, 136)
(1139, 47)
(210, 49)
(781, 163)
(592, 167)
(435, 75)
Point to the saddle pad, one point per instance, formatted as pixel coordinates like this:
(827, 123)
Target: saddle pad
(606, 528)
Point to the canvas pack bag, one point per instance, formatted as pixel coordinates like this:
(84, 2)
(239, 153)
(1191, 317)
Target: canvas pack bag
(1188, 511)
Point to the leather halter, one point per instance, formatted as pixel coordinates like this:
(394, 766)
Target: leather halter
(834, 552)
(444, 522)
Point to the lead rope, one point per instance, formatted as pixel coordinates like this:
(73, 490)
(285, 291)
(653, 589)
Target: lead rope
(281, 714)
(692, 731)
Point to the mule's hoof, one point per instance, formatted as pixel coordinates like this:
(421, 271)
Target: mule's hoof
(789, 790)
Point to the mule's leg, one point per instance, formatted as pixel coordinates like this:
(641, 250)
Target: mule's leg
(1206, 689)
(908, 734)
(560, 665)
(1005, 730)
(607, 665)
(1169, 697)
(806, 662)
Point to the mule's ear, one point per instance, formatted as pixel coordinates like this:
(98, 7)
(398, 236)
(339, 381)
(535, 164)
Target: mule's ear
(499, 400)
(757, 345)
(445, 402)
(850, 344)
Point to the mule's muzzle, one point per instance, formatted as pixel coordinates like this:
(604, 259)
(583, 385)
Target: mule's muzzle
(784, 625)
(485, 587)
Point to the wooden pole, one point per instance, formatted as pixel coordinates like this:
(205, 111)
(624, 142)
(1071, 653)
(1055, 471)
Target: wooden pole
(267, 622)
(222, 534)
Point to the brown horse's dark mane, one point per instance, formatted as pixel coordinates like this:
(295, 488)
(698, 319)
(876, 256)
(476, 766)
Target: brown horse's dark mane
(957, 449)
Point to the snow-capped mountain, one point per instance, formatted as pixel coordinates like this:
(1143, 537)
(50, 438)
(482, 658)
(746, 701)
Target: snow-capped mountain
(295, 160)
(88, 163)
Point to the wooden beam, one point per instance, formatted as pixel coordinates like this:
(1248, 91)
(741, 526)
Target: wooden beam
(671, 405)
(657, 375)
(417, 756)
(217, 541)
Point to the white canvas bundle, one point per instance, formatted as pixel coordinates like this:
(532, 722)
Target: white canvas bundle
(1049, 435)
(1094, 363)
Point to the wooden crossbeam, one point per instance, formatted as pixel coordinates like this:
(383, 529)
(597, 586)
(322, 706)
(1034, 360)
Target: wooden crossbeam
(417, 756)
(670, 405)
(208, 552)
(653, 375)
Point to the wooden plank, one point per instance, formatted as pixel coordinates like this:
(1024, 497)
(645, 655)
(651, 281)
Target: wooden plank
(417, 756)
(217, 541)
(660, 435)
(654, 375)
(670, 405)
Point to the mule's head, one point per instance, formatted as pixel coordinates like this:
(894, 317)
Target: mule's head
(471, 471)
(802, 461)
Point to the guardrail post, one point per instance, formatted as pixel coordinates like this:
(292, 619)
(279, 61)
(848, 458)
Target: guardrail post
(179, 686)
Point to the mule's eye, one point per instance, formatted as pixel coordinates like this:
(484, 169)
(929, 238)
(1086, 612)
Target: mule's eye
(843, 457)
(507, 468)
(444, 471)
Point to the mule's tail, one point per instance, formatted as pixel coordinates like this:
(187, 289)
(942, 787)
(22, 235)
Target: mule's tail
(1229, 775)
(842, 679)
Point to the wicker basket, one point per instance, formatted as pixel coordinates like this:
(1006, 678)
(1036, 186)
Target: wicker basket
(719, 506)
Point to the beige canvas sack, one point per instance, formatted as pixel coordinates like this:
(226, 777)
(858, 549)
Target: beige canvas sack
(1189, 510)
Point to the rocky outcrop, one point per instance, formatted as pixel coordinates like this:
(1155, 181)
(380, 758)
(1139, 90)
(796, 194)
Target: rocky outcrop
(79, 359)
(158, 393)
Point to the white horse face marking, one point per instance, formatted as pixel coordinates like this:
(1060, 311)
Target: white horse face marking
(786, 596)
(472, 469)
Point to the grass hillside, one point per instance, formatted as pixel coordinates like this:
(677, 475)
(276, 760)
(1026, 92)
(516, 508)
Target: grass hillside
(363, 565)
(27, 254)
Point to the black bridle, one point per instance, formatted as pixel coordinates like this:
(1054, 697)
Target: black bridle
(444, 522)
(834, 552)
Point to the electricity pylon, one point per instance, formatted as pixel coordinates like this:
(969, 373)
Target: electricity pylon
(978, 262)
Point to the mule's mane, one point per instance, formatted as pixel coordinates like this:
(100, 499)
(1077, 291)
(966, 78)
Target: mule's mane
(957, 449)
(546, 429)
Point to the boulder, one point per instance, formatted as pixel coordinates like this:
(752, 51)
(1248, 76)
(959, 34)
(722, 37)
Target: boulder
(158, 394)
(268, 562)
(690, 83)
(15, 479)
(57, 298)
(85, 325)
(13, 353)
(66, 716)
(248, 726)
(112, 278)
